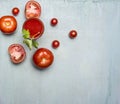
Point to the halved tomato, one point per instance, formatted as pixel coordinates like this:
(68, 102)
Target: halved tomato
(32, 9)
(17, 53)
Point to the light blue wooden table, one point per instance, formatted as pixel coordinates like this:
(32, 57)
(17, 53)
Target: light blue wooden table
(85, 71)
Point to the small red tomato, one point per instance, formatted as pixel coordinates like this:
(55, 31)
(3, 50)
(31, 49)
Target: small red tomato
(32, 9)
(15, 11)
(17, 53)
(54, 21)
(73, 34)
(35, 27)
(55, 44)
(43, 58)
(8, 24)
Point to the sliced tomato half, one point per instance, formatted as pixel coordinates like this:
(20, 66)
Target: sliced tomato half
(17, 53)
(32, 9)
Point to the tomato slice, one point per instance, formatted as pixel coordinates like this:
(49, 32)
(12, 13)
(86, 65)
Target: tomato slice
(32, 9)
(17, 53)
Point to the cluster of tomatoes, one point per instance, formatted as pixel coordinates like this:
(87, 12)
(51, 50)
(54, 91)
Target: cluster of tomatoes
(32, 29)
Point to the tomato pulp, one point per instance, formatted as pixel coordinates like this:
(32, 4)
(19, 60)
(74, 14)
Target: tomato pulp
(35, 27)
(17, 53)
(32, 9)
(43, 58)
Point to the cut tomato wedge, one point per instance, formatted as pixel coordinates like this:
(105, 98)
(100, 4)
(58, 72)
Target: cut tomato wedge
(32, 9)
(17, 53)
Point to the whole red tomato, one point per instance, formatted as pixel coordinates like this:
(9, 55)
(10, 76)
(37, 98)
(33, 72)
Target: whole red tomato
(54, 21)
(8, 24)
(73, 34)
(15, 11)
(17, 53)
(55, 44)
(32, 9)
(43, 58)
(35, 27)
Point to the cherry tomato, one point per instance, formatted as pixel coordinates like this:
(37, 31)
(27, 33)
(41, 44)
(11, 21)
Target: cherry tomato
(17, 53)
(15, 11)
(32, 9)
(54, 21)
(35, 27)
(43, 58)
(73, 34)
(8, 24)
(55, 44)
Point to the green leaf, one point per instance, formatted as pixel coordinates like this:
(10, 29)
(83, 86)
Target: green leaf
(28, 42)
(26, 34)
(35, 43)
